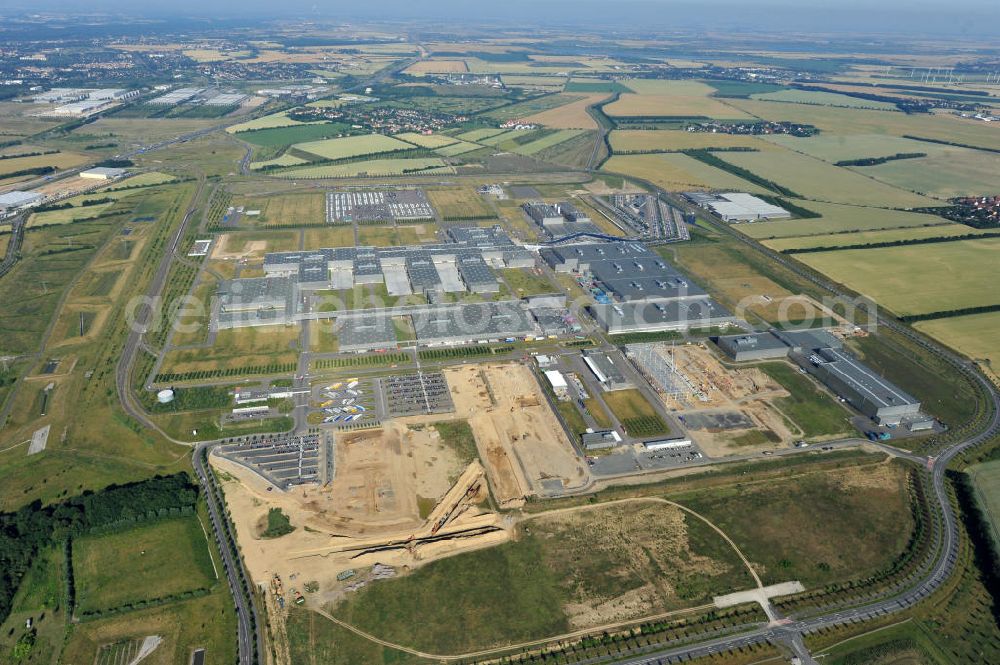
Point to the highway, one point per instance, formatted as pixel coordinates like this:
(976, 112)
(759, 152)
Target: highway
(249, 626)
(14, 245)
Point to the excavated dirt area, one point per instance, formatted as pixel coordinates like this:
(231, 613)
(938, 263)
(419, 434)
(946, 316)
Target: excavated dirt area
(368, 515)
(525, 449)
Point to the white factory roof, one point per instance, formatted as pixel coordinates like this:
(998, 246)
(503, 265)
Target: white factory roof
(736, 204)
(18, 198)
(105, 171)
(556, 378)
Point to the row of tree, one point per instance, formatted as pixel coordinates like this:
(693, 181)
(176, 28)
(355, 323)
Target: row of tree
(25, 532)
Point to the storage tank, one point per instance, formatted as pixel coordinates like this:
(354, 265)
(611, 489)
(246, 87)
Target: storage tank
(165, 396)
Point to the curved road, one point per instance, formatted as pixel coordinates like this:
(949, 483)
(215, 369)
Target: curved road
(943, 566)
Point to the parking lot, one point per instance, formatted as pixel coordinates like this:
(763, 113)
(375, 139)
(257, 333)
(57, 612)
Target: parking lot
(285, 460)
(416, 394)
(348, 403)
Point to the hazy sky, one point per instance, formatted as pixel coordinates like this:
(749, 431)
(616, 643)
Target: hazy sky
(952, 17)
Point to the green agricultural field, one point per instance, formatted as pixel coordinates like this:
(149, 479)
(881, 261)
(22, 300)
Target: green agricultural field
(480, 134)
(944, 175)
(530, 107)
(821, 98)
(986, 479)
(353, 146)
(842, 219)
(282, 136)
(974, 335)
(919, 278)
(675, 171)
(427, 140)
(456, 149)
(146, 562)
(866, 237)
(373, 167)
(632, 140)
(814, 412)
(549, 141)
(839, 147)
(68, 215)
(387, 236)
(848, 523)
(815, 179)
(635, 413)
(144, 180)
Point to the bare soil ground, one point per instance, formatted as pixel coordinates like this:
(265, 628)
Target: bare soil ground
(252, 249)
(367, 515)
(519, 437)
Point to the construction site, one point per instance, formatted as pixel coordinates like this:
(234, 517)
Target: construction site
(368, 521)
(719, 404)
(400, 495)
(525, 449)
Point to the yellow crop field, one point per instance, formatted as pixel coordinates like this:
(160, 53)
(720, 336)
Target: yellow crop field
(373, 167)
(437, 67)
(353, 146)
(60, 160)
(272, 121)
(839, 218)
(569, 116)
(917, 279)
(671, 98)
(816, 179)
(677, 172)
(945, 230)
(974, 335)
(427, 140)
(842, 121)
(624, 140)
(284, 160)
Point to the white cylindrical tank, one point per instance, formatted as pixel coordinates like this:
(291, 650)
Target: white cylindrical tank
(165, 396)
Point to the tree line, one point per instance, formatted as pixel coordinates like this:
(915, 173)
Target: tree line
(875, 161)
(27, 531)
(890, 243)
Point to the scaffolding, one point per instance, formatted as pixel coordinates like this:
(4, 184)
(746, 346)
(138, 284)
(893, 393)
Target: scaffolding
(659, 369)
